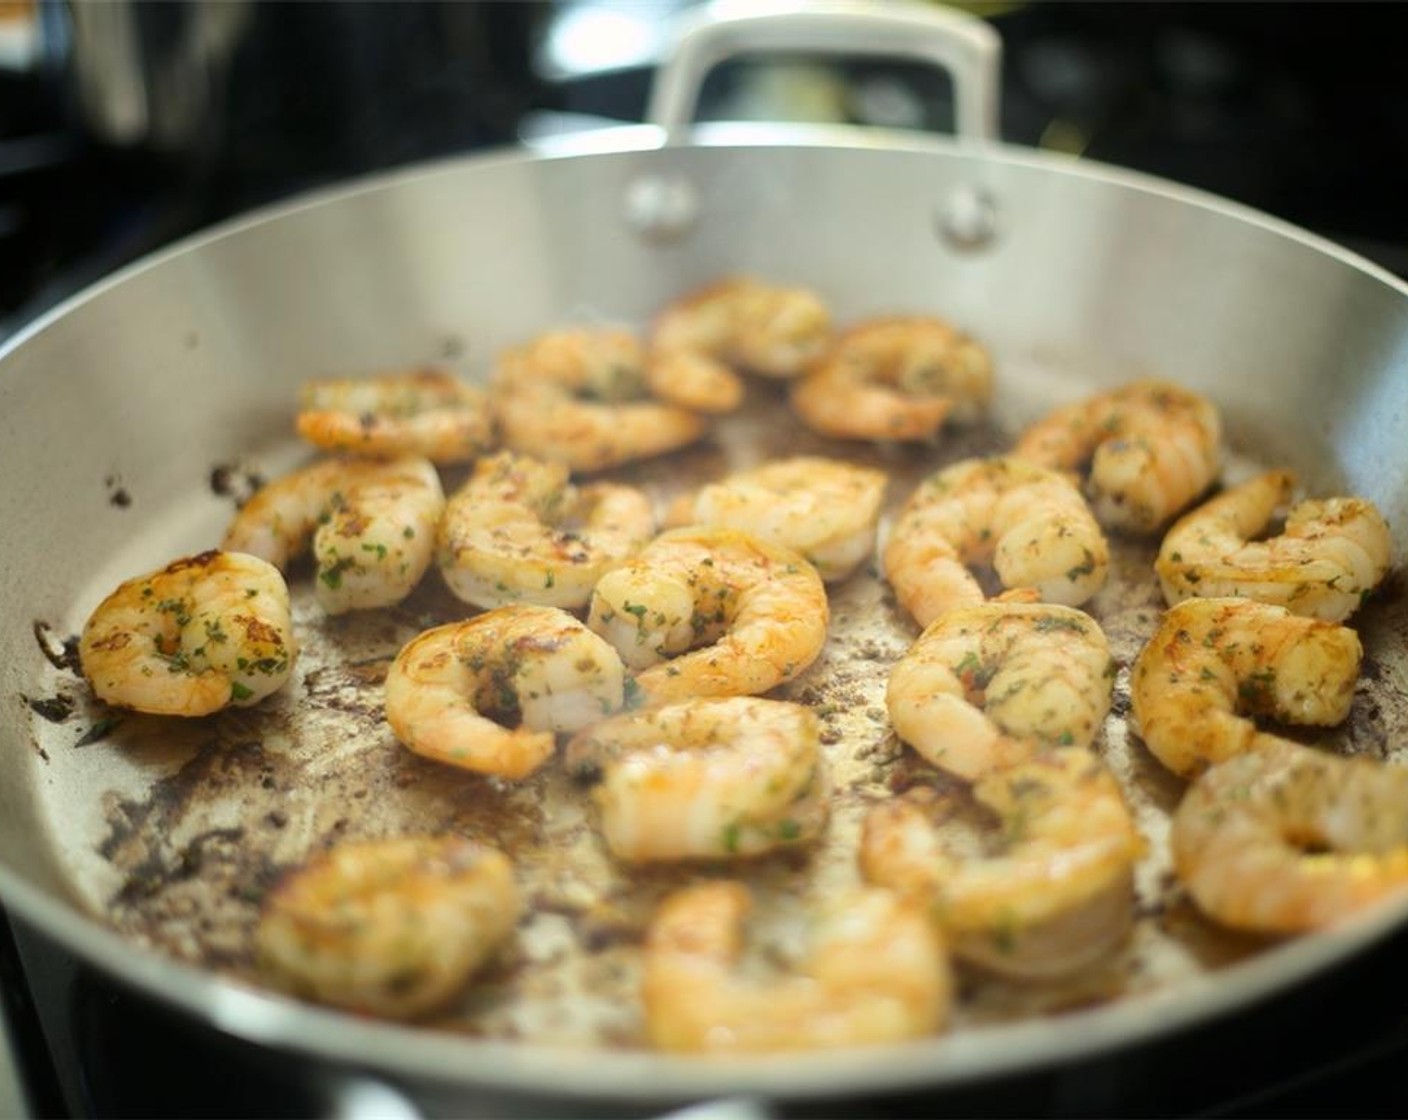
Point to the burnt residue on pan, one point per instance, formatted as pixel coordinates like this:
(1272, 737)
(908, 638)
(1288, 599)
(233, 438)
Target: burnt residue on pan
(55, 708)
(61, 653)
(118, 494)
(235, 482)
(227, 804)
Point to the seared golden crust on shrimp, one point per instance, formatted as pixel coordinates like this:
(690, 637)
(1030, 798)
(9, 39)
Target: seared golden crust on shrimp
(371, 523)
(987, 686)
(388, 927)
(1030, 523)
(203, 633)
(426, 412)
(448, 688)
(738, 324)
(708, 611)
(1212, 659)
(1285, 839)
(899, 378)
(1152, 446)
(823, 508)
(519, 531)
(1331, 554)
(877, 973)
(579, 397)
(715, 778)
(1056, 897)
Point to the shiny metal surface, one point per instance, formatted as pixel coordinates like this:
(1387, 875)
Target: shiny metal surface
(962, 45)
(194, 358)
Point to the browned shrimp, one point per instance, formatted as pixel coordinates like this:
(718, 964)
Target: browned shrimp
(709, 778)
(1059, 893)
(1030, 523)
(898, 378)
(1212, 659)
(877, 973)
(1331, 554)
(705, 611)
(579, 397)
(700, 340)
(447, 685)
(990, 685)
(1152, 447)
(389, 927)
(200, 634)
(1285, 839)
(426, 412)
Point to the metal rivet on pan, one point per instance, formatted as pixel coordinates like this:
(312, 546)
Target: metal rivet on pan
(662, 207)
(968, 220)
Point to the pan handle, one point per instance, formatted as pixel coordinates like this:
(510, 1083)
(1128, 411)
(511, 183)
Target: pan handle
(962, 45)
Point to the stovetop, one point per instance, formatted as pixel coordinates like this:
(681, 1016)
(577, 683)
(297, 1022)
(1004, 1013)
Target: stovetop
(1246, 100)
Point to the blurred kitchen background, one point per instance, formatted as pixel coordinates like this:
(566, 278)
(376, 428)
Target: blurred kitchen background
(124, 125)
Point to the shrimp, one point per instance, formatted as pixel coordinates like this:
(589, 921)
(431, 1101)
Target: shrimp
(1286, 839)
(371, 523)
(707, 611)
(1213, 658)
(742, 323)
(1332, 554)
(425, 412)
(388, 927)
(203, 633)
(579, 397)
(519, 531)
(1029, 522)
(897, 378)
(987, 686)
(718, 778)
(1152, 447)
(1057, 895)
(877, 972)
(538, 664)
(823, 508)
(694, 381)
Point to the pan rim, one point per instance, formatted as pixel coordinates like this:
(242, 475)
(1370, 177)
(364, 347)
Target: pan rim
(644, 1078)
(647, 141)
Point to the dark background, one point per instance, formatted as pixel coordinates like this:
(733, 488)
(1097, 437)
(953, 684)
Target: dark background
(1298, 109)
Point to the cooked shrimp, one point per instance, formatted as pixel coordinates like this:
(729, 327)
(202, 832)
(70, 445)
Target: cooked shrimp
(388, 927)
(1152, 447)
(823, 508)
(706, 779)
(579, 397)
(519, 531)
(371, 523)
(1332, 553)
(1211, 659)
(877, 972)
(1286, 839)
(707, 611)
(537, 664)
(203, 633)
(899, 378)
(745, 324)
(1030, 523)
(1057, 895)
(694, 381)
(987, 686)
(425, 412)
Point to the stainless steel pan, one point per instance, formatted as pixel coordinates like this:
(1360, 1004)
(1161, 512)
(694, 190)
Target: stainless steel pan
(116, 407)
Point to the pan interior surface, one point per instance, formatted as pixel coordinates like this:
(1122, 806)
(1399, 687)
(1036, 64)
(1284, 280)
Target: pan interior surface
(154, 402)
